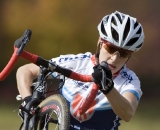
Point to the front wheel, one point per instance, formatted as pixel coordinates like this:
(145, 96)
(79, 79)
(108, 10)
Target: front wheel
(53, 114)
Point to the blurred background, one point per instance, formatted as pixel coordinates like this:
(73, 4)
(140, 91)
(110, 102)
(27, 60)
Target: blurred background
(63, 27)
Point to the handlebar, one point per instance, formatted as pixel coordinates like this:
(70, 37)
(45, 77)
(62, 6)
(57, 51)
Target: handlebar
(18, 51)
(19, 44)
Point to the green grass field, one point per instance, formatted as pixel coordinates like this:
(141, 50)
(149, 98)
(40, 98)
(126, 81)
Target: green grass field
(147, 117)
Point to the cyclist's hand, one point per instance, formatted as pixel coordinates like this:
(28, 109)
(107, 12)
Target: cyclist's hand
(105, 83)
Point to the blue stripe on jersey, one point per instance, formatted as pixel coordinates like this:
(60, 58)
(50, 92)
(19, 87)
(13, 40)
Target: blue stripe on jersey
(68, 94)
(103, 106)
(134, 92)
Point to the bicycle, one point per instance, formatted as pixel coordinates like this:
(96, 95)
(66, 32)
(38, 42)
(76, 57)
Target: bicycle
(41, 112)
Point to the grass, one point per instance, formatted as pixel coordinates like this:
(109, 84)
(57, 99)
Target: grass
(147, 117)
(9, 119)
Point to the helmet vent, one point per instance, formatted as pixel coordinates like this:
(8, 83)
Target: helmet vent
(119, 17)
(113, 21)
(126, 30)
(103, 29)
(139, 46)
(135, 25)
(132, 41)
(115, 34)
(139, 30)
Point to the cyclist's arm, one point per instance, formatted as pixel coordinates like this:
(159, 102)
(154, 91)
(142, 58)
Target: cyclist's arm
(25, 76)
(123, 105)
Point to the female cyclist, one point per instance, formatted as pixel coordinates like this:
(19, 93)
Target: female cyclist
(120, 35)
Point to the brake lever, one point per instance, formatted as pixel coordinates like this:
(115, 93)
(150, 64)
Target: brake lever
(23, 41)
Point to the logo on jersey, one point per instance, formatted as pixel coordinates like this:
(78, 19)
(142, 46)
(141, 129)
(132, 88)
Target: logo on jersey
(126, 76)
(77, 57)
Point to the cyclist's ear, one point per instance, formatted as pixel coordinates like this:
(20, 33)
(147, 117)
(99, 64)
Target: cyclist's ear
(99, 44)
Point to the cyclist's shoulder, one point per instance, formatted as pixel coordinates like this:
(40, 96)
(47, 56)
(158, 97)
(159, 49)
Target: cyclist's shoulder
(131, 82)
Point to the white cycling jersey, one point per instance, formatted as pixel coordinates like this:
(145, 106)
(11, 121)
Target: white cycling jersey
(100, 115)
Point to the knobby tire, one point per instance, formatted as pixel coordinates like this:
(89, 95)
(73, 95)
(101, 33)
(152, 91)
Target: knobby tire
(54, 107)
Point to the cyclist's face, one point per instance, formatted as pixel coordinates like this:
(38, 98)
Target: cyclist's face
(115, 59)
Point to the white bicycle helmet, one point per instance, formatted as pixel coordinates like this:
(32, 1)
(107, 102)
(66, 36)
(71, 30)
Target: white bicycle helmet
(122, 30)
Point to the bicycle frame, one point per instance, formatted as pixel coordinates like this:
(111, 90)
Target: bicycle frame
(39, 94)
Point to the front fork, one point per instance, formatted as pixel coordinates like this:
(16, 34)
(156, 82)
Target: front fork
(39, 93)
